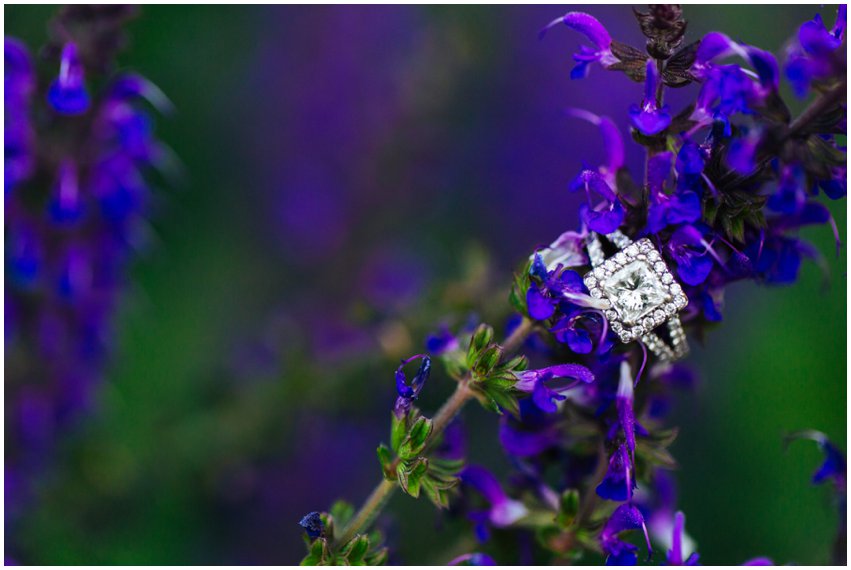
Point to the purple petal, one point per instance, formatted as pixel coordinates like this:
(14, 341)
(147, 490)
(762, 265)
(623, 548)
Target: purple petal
(484, 482)
(694, 269)
(713, 45)
(524, 443)
(605, 221)
(650, 121)
(590, 26)
(540, 308)
(658, 170)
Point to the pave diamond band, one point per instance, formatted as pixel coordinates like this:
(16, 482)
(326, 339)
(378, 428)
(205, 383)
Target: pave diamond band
(642, 292)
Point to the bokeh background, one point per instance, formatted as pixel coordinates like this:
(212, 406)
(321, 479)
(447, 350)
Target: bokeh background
(354, 177)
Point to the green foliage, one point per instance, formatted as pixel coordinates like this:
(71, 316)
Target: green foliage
(492, 380)
(519, 288)
(361, 550)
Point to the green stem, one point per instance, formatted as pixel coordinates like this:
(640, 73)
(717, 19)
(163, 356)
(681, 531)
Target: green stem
(384, 490)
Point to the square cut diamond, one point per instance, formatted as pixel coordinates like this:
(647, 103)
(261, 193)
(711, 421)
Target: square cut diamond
(635, 290)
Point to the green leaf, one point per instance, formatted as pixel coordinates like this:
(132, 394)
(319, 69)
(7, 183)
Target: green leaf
(385, 456)
(568, 508)
(341, 513)
(411, 475)
(318, 555)
(504, 399)
(398, 431)
(416, 440)
(482, 337)
(488, 359)
(355, 550)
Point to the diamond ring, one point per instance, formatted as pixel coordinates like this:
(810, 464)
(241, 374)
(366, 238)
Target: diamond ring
(642, 293)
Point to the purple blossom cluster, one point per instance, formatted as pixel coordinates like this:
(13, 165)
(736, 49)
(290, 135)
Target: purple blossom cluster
(76, 198)
(728, 182)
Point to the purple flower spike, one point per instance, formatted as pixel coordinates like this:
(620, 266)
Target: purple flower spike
(619, 553)
(596, 33)
(67, 93)
(649, 119)
(618, 483)
(675, 554)
(503, 511)
(409, 392)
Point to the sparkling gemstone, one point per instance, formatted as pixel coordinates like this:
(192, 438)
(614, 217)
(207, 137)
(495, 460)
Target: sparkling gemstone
(620, 258)
(631, 250)
(590, 281)
(653, 255)
(660, 267)
(635, 291)
(667, 278)
(596, 293)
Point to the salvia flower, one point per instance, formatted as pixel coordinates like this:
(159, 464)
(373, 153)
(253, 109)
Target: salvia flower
(601, 51)
(818, 54)
(618, 552)
(312, 524)
(676, 555)
(67, 93)
(409, 392)
(649, 118)
(603, 212)
(544, 383)
(502, 511)
(618, 483)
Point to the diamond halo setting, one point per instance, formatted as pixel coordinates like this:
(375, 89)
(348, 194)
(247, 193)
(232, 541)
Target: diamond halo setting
(642, 291)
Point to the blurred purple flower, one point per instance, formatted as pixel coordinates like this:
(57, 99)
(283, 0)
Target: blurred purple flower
(67, 94)
(595, 32)
(649, 118)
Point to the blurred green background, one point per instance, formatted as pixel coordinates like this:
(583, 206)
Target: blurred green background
(224, 417)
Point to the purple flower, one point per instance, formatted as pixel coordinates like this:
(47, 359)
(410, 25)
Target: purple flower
(568, 250)
(624, 403)
(595, 32)
(691, 253)
(760, 561)
(502, 512)
(683, 205)
(834, 467)
(544, 386)
(472, 559)
(534, 433)
(604, 216)
(790, 196)
(442, 342)
(619, 553)
(649, 119)
(816, 39)
(817, 54)
(612, 143)
(675, 554)
(312, 524)
(619, 480)
(67, 93)
(409, 392)
(66, 203)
